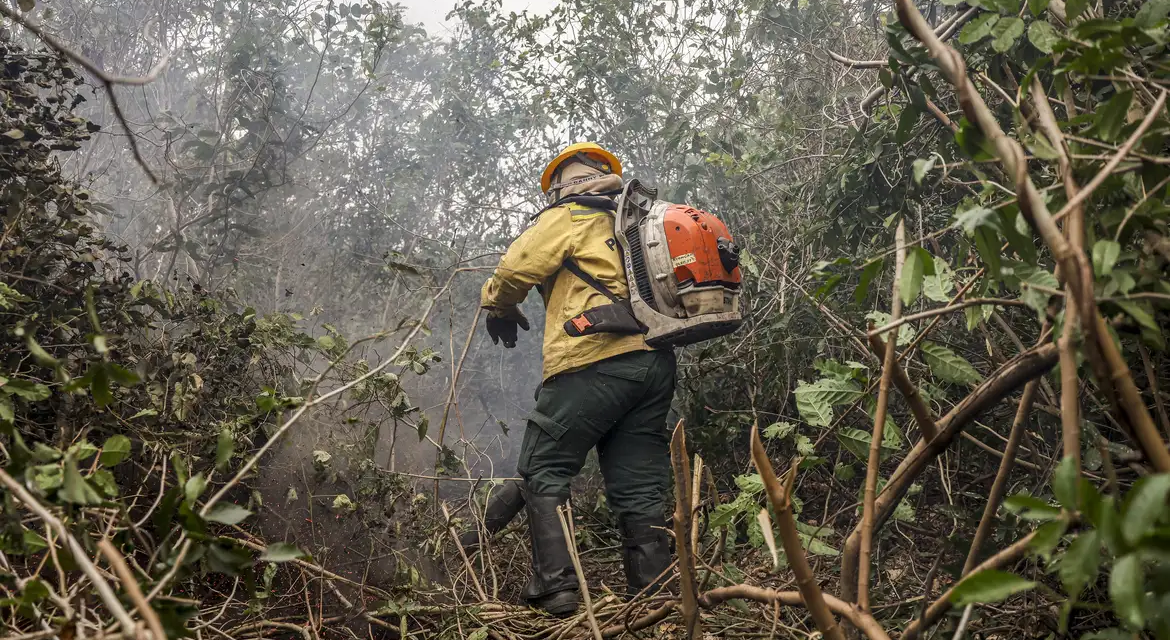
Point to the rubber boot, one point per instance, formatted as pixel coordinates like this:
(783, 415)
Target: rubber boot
(646, 553)
(553, 586)
(505, 502)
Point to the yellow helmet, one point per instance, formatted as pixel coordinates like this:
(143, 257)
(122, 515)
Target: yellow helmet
(607, 162)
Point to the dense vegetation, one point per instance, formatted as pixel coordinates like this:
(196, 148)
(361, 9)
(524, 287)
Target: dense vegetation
(242, 393)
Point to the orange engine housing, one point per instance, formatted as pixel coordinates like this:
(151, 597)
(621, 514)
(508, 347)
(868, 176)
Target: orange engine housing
(692, 236)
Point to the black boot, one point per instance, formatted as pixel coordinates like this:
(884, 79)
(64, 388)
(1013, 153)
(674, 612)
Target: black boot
(646, 552)
(553, 586)
(506, 501)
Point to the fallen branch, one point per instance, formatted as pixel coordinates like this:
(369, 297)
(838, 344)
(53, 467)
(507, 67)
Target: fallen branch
(80, 555)
(1011, 376)
(780, 498)
(942, 605)
(858, 618)
(130, 586)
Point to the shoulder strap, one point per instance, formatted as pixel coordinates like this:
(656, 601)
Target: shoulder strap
(595, 200)
(576, 270)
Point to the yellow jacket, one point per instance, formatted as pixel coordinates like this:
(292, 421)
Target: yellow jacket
(535, 258)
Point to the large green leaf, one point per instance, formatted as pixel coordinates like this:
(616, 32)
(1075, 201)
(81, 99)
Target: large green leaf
(989, 585)
(1043, 36)
(912, 273)
(948, 365)
(1080, 563)
(979, 28)
(225, 446)
(938, 287)
(282, 552)
(1105, 254)
(1144, 506)
(1064, 483)
(115, 450)
(1126, 589)
(75, 489)
(1006, 32)
(227, 513)
(814, 401)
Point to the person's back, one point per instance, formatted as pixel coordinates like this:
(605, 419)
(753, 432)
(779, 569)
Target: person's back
(601, 389)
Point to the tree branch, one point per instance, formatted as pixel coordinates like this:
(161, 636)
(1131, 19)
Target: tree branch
(107, 80)
(874, 462)
(1013, 374)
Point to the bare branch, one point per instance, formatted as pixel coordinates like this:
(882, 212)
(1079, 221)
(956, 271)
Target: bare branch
(107, 80)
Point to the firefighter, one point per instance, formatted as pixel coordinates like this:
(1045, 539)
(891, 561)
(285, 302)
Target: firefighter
(605, 390)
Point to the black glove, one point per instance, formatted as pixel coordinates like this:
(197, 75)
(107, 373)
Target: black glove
(504, 328)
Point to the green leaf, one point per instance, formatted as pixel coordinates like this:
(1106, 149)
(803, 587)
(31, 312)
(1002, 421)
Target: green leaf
(1127, 590)
(75, 489)
(1151, 13)
(1028, 507)
(1043, 36)
(115, 450)
(225, 446)
(815, 401)
(905, 332)
(31, 391)
(1006, 32)
(922, 166)
(1047, 538)
(804, 445)
(282, 552)
(906, 122)
(326, 342)
(912, 274)
(99, 385)
(194, 488)
(104, 480)
(974, 218)
(948, 365)
(15, 134)
(121, 375)
(1078, 567)
(778, 430)
(868, 273)
(7, 412)
(989, 585)
(1074, 8)
(227, 513)
(1144, 505)
(1064, 483)
(938, 286)
(81, 450)
(43, 358)
(1110, 117)
(144, 413)
(1139, 311)
(1035, 284)
(1105, 253)
(1037, 6)
(978, 29)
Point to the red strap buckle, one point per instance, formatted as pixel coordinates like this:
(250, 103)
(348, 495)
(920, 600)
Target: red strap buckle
(581, 323)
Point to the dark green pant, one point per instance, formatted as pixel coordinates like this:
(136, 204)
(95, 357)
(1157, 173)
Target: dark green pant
(618, 405)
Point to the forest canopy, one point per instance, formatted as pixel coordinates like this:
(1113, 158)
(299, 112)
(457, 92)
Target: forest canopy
(244, 392)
